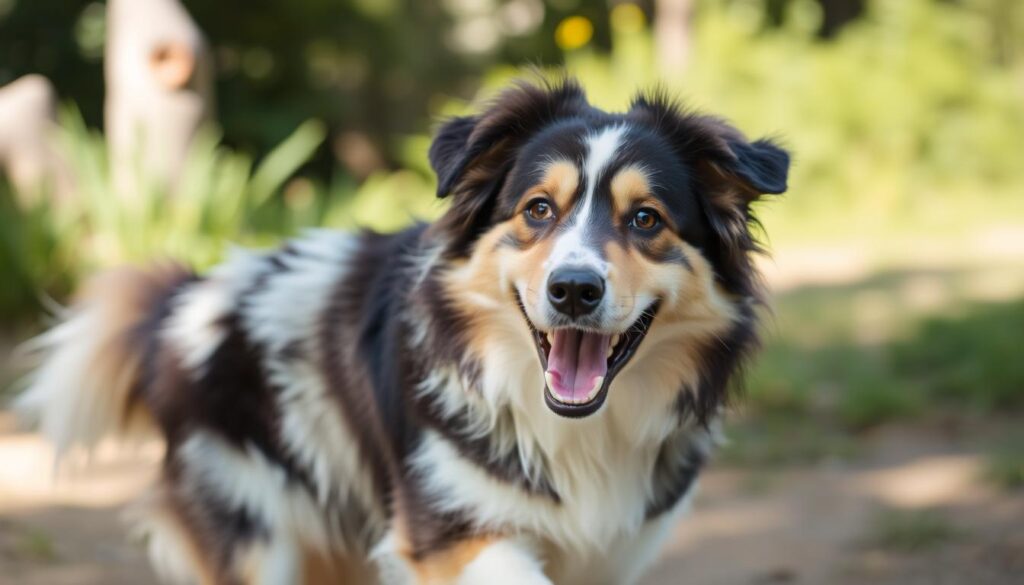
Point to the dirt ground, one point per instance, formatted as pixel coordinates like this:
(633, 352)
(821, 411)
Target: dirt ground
(811, 525)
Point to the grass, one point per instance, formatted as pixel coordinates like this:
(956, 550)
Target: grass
(842, 360)
(36, 545)
(1005, 469)
(767, 441)
(862, 354)
(911, 531)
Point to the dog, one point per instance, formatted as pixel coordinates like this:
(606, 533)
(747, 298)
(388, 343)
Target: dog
(523, 391)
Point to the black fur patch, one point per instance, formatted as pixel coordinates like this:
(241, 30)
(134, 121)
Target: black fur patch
(480, 449)
(678, 464)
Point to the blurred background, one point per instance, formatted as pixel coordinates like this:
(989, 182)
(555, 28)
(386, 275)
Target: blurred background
(879, 438)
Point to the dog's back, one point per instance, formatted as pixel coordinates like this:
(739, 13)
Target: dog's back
(228, 369)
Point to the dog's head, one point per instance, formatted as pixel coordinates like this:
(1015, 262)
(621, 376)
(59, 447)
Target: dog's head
(622, 238)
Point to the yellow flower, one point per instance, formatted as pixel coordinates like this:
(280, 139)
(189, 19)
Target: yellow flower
(573, 32)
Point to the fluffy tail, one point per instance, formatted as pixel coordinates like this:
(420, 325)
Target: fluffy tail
(87, 386)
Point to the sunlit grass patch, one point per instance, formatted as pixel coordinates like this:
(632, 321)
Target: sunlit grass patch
(826, 355)
(769, 441)
(973, 360)
(1005, 469)
(37, 546)
(911, 531)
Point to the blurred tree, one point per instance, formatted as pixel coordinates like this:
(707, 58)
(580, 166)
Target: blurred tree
(835, 14)
(672, 34)
(28, 157)
(159, 91)
(38, 36)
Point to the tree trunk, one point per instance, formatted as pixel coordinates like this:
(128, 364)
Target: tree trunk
(672, 35)
(28, 120)
(837, 14)
(159, 76)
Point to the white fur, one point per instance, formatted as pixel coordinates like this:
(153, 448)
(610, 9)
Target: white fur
(280, 562)
(194, 328)
(571, 248)
(71, 406)
(80, 393)
(392, 567)
(624, 561)
(170, 549)
(504, 563)
(248, 481)
(601, 465)
(314, 432)
(289, 306)
(289, 310)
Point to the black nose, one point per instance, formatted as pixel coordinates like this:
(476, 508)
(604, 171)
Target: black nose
(575, 291)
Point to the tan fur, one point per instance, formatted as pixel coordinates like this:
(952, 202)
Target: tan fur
(628, 185)
(561, 179)
(320, 569)
(124, 298)
(445, 567)
(317, 568)
(693, 312)
(83, 391)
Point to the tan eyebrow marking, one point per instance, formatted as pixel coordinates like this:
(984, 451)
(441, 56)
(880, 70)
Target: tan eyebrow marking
(628, 185)
(560, 181)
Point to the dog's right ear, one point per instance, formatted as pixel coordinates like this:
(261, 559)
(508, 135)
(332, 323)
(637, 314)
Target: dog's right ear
(473, 155)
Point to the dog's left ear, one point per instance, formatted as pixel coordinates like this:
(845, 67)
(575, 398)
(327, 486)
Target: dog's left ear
(735, 170)
(730, 173)
(472, 155)
(762, 166)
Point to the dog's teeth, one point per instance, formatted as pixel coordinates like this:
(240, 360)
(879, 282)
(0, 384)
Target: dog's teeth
(548, 378)
(598, 381)
(615, 339)
(611, 350)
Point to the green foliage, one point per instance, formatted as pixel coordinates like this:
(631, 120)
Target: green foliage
(47, 246)
(906, 117)
(218, 196)
(33, 254)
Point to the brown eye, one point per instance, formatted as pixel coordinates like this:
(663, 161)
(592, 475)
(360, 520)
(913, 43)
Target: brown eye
(540, 210)
(645, 219)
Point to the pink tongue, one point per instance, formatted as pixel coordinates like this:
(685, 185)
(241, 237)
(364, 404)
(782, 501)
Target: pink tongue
(575, 360)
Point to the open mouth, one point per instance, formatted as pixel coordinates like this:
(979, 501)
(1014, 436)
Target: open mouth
(579, 365)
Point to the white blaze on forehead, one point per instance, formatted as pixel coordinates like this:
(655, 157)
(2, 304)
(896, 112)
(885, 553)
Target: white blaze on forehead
(571, 247)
